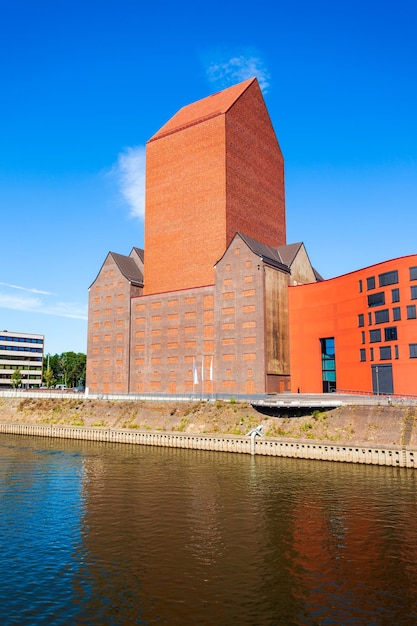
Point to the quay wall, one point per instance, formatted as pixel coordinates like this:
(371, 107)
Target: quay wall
(395, 456)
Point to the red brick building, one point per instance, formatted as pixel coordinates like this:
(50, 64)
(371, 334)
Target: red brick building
(222, 305)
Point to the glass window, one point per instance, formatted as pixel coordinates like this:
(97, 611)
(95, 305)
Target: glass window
(396, 352)
(360, 286)
(376, 299)
(369, 319)
(375, 335)
(388, 278)
(381, 316)
(363, 336)
(385, 353)
(370, 282)
(362, 354)
(414, 292)
(371, 354)
(411, 312)
(413, 273)
(328, 364)
(396, 314)
(361, 320)
(413, 350)
(395, 293)
(390, 333)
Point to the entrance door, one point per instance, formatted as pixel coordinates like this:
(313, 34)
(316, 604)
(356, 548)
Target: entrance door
(382, 382)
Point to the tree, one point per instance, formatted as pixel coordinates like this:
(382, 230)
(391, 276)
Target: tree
(67, 368)
(16, 378)
(48, 378)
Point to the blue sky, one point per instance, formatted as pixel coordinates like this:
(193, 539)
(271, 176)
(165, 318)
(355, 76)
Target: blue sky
(84, 85)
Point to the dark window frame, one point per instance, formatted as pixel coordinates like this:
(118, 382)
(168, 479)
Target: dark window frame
(388, 278)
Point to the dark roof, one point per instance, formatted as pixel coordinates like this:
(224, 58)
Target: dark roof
(140, 253)
(289, 252)
(318, 276)
(268, 254)
(128, 268)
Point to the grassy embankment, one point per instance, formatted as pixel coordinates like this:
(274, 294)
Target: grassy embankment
(392, 425)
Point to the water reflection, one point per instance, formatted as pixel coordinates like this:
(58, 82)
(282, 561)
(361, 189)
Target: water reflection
(116, 534)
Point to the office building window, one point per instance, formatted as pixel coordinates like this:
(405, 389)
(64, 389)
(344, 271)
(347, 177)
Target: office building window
(369, 319)
(411, 312)
(360, 286)
(328, 364)
(370, 283)
(413, 273)
(414, 292)
(396, 352)
(361, 320)
(362, 354)
(363, 336)
(376, 299)
(375, 335)
(381, 316)
(388, 278)
(413, 350)
(395, 293)
(385, 353)
(371, 354)
(390, 333)
(396, 314)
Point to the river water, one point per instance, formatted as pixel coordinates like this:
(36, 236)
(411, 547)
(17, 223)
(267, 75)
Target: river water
(103, 534)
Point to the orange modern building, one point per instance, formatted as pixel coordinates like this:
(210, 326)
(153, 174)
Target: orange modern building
(220, 303)
(357, 332)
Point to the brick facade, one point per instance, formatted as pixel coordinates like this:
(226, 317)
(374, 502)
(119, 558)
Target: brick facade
(215, 169)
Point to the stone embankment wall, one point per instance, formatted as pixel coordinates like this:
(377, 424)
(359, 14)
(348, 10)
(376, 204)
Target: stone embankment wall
(397, 456)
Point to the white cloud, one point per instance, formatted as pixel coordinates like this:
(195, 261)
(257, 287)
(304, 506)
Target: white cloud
(130, 172)
(230, 68)
(35, 305)
(45, 293)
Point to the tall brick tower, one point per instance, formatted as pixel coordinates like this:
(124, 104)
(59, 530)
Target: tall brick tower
(213, 169)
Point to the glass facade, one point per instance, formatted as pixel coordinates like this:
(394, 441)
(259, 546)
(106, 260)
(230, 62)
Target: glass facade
(328, 364)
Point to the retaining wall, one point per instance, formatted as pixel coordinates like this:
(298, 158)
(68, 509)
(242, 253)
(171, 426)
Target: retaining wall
(345, 453)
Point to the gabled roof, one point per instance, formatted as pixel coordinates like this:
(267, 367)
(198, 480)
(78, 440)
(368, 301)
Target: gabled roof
(216, 104)
(289, 252)
(139, 252)
(128, 268)
(268, 254)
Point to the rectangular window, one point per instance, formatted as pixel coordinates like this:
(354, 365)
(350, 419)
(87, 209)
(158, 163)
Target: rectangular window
(413, 273)
(371, 354)
(414, 292)
(385, 353)
(396, 314)
(370, 283)
(361, 320)
(413, 350)
(411, 312)
(363, 336)
(396, 352)
(362, 354)
(395, 293)
(328, 364)
(375, 335)
(381, 316)
(360, 286)
(388, 278)
(369, 319)
(376, 299)
(390, 333)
